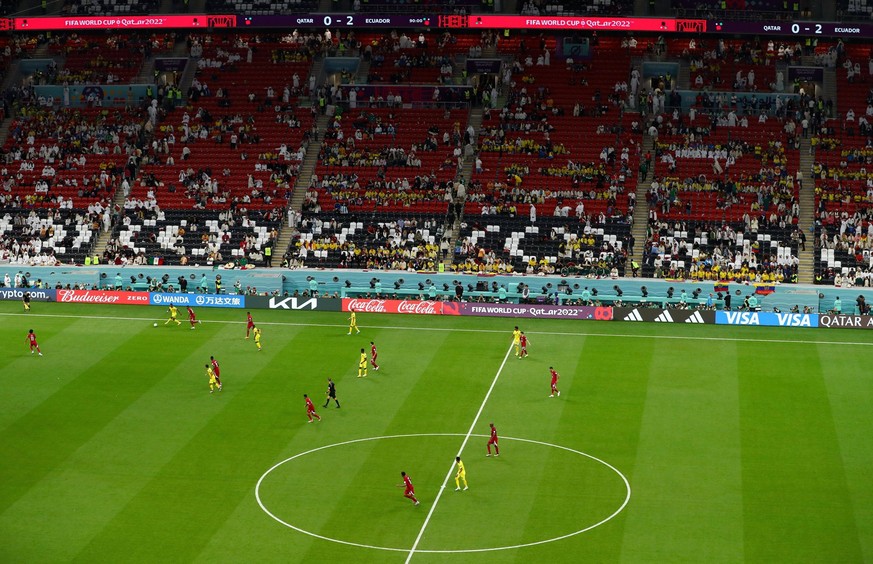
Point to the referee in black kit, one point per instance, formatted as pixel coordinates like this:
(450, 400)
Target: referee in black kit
(331, 393)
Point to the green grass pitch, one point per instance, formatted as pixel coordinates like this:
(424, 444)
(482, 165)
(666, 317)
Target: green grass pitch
(745, 444)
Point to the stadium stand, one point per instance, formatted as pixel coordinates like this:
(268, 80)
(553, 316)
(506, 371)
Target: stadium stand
(110, 7)
(576, 7)
(208, 179)
(741, 9)
(46, 237)
(375, 241)
(260, 7)
(149, 235)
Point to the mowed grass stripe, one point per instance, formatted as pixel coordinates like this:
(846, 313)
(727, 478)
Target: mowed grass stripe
(366, 507)
(585, 365)
(49, 433)
(27, 379)
(104, 473)
(540, 506)
(177, 510)
(687, 482)
(795, 497)
(369, 408)
(850, 392)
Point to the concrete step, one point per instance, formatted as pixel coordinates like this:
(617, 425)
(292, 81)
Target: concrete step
(304, 178)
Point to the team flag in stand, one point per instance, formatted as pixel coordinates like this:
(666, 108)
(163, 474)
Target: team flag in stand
(764, 289)
(721, 288)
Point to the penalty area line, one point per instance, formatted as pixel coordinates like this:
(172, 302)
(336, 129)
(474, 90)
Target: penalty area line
(469, 330)
(460, 451)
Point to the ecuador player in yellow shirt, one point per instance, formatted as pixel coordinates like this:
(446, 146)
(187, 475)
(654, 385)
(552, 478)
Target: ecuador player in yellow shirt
(257, 333)
(516, 340)
(173, 313)
(213, 382)
(461, 476)
(353, 322)
(362, 365)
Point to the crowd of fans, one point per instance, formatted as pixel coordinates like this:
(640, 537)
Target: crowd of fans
(392, 244)
(715, 254)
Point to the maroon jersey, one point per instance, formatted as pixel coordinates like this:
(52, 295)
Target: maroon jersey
(309, 406)
(373, 351)
(523, 341)
(191, 313)
(554, 376)
(32, 338)
(249, 319)
(408, 483)
(493, 434)
(215, 367)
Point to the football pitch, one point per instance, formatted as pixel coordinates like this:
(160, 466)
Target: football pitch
(668, 443)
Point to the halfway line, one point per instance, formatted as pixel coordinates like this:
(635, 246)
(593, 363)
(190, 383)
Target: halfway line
(460, 451)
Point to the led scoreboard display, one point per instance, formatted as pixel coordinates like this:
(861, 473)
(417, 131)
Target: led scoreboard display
(337, 20)
(468, 22)
(447, 21)
(815, 29)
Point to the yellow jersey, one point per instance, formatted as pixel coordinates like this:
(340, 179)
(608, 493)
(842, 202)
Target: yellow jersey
(363, 361)
(210, 373)
(516, 336)
(173, 312)
(353, 320)
(257, 334)
(461, 470)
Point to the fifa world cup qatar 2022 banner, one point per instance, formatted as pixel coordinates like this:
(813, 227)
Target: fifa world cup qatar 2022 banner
(540, 311)
(427, 307)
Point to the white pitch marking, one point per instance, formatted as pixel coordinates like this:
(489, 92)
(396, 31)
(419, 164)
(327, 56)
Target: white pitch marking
(437, 551)
(467, 330)
(460, 451)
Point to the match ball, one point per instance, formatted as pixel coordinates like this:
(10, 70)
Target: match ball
(155, 325)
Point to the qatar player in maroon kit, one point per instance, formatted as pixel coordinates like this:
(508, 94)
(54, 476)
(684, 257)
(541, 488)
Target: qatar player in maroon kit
(493, 441)
(31, 337)
(250, 324)
(409, 489)
(522, 341)
(555, 377)
(310, 409)
(216, 370)
(192, 318)
(373, 355)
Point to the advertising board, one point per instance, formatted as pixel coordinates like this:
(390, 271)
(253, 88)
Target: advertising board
(766, 319)
(540, 311)
(845, 321)
(197, 300)
(367, 305)
(658, 315)
(293, 303)
(35, 295)
(102, 297)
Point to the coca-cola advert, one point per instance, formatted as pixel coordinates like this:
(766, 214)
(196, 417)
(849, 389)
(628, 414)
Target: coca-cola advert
(541, 311)
(102, 297)
(367, 305)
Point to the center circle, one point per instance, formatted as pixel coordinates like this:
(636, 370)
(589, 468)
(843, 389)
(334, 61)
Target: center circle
(600, 520)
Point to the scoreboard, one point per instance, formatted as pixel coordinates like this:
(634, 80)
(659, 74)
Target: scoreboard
(439, 21)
